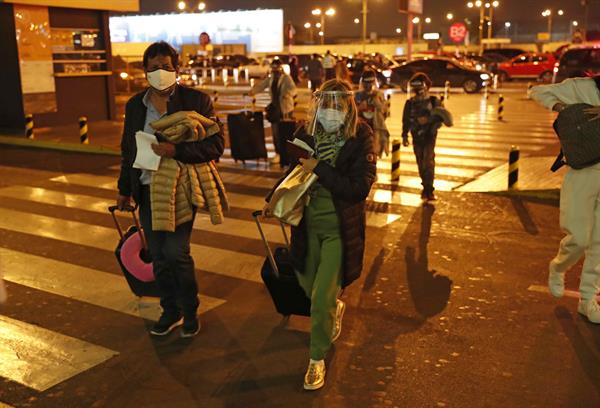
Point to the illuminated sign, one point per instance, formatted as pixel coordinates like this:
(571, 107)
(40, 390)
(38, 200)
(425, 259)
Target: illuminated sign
(260, 30)
(431, 36)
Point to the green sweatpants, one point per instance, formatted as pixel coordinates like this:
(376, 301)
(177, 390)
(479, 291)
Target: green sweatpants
(322, 278)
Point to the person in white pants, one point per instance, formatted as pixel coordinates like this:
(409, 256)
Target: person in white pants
(579, 201)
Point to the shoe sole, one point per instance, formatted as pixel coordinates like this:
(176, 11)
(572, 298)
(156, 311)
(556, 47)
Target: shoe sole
(584, 314)
(169, 330)
(333, 339)
(188, 335)
(309, 387)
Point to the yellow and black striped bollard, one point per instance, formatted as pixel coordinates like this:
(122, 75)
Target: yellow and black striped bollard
(442, 99)
(500, 107)
(83, 131)
(215, 97)
(513, 167)
(29, 126)
(253, 103)
(396, 143)
(295, 100)
(447, 90)
(529, 86)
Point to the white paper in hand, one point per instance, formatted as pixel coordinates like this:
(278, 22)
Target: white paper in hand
(145, 158)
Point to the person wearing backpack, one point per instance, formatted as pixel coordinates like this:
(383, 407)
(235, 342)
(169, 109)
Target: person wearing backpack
(423, 126)
(282, 89)
(579, 201)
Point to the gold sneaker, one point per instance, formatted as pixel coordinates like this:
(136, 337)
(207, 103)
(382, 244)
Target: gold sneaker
(337, 325)
(315, 376)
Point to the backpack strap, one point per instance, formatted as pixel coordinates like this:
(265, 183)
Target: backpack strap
(558, 163)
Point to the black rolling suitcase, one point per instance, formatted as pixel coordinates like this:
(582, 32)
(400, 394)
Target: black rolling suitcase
(287, 129)
(134, 258)
(278, 275)
(247, 135)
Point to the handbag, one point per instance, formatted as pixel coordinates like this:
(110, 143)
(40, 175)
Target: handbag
(291, 196)
(273, 113)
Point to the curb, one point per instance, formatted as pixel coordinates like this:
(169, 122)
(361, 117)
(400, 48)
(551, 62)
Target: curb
(65, 147)
(542, 195)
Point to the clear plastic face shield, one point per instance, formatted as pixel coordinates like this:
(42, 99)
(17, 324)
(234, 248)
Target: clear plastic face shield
(329, 111)
(418, 87)
(368, 84)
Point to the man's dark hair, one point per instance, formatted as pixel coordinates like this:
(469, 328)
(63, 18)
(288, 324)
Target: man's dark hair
(315, 56)
(161, 48)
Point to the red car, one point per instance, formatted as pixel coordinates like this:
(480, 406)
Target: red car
(529, 66)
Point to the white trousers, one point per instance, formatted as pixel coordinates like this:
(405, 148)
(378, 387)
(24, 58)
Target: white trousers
(580, 220)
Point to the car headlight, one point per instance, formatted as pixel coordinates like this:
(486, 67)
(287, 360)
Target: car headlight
(485, 77)
(478, 67)
(387, 73)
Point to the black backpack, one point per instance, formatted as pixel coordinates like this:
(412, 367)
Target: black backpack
(579, 137)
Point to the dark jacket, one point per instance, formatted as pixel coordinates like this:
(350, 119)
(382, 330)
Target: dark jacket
(203, 151)
(412, 109)
(349, 182)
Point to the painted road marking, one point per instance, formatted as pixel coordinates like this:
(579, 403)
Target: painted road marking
(39, 358)
(83, 284)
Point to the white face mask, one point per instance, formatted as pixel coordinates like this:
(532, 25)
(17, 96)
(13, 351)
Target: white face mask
(161, 79)
(331, 119)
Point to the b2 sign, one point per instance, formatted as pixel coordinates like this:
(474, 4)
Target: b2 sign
(458, 32)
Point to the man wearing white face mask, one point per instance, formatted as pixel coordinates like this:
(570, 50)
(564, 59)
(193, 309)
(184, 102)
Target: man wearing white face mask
(173, 266)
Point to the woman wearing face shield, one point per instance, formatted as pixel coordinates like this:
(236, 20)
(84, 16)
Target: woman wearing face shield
(328, 245)
(373, 110)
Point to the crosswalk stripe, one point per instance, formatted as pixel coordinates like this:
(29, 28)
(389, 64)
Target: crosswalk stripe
(231, 226)
(39, 358)
(251, 202)
(83, 284)
(211, 259)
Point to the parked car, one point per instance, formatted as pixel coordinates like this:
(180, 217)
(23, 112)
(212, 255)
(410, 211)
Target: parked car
(257, 69)
(578, 61)
(529, 66)
(441, 70)
(508, 53)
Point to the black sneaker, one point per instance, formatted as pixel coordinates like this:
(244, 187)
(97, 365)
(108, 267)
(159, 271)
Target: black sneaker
(431, 197)
(191, 327)
(166, 324)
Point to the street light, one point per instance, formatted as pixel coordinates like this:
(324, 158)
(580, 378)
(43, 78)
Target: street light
(202, 6)
(318, 12)
(428, 20)
(417, 21)
(356, 21)
(450, 16)
(492, 6)
(479, 4)
(548, 13)
(181, 5)
(398, 30)
(507, 26)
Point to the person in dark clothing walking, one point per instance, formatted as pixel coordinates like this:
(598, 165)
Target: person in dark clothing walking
(423, 126)
(295, 69)
(315, 72)
(170, 250)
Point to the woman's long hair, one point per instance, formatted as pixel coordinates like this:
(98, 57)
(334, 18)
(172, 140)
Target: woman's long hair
(344, 87)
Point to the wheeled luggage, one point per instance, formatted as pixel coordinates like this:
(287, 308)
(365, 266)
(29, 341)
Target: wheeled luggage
(287, 129)
(247, 135)
(133, 256)
(278, 275)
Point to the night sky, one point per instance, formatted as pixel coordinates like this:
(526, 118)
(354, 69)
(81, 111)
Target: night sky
(525, 15)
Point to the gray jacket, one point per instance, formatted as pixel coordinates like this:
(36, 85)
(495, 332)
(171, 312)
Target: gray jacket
(287, 91)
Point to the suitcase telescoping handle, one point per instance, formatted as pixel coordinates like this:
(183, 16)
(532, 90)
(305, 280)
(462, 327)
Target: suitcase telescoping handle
(257, 215)
(130, 209)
